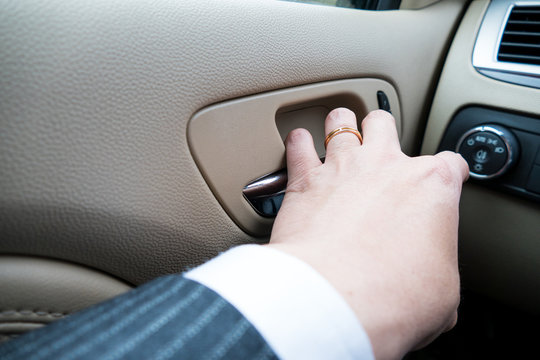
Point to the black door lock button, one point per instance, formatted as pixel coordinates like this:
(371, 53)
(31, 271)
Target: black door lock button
(382, 99)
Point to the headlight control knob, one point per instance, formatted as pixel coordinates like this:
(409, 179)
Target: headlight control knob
(490, 150)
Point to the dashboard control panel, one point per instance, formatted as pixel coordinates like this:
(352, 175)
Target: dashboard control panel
(501, 148)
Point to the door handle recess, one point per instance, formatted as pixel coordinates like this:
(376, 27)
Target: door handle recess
(240, 140)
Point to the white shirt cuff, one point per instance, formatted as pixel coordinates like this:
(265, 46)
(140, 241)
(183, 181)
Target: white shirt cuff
(295, 309)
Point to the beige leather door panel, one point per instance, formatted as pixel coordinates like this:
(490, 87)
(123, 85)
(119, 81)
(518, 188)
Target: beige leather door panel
(96, 97)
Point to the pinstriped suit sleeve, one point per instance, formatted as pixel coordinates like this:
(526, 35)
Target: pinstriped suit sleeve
(169, 318)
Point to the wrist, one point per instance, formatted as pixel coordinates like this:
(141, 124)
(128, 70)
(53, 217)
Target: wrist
(386, 319)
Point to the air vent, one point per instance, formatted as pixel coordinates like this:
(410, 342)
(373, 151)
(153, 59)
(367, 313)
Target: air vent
(520, 42)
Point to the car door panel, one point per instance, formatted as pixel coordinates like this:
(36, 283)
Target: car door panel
(96, 97)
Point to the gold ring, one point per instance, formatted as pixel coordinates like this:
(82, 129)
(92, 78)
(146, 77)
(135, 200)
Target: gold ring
(342, 130)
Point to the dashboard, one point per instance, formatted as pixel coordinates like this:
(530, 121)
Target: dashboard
(500, 217)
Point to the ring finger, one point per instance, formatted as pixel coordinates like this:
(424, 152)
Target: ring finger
(341, 140)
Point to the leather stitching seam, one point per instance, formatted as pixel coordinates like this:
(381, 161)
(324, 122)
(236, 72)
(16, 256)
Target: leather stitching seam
(6, 313)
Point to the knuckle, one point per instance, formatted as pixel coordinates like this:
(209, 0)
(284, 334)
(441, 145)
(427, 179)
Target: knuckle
(442, 170)
(308, 180)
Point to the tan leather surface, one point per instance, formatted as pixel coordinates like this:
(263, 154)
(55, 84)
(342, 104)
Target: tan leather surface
(34, 288)
(499, 233)
(37, 291)
(95, 98)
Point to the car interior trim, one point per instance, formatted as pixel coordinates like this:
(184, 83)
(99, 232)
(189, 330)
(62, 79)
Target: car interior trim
(484, 57)
(37, 291)
(498, 232)
(96, 98)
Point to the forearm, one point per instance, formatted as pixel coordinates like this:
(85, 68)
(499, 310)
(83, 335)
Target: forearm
(169, 317)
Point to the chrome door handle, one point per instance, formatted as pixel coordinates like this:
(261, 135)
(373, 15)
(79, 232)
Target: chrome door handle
(266, 194)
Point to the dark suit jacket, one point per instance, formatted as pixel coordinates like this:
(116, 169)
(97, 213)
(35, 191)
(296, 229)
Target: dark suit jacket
(168, 318)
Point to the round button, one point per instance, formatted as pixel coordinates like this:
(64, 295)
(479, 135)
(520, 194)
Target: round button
(489, 150)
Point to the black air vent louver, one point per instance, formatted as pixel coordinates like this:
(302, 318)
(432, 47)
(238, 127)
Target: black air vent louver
(520, 42)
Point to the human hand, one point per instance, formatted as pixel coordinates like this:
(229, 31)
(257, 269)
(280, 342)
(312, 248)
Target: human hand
(380, 226)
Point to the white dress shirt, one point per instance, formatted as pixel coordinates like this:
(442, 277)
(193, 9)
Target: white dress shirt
(295, 309)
